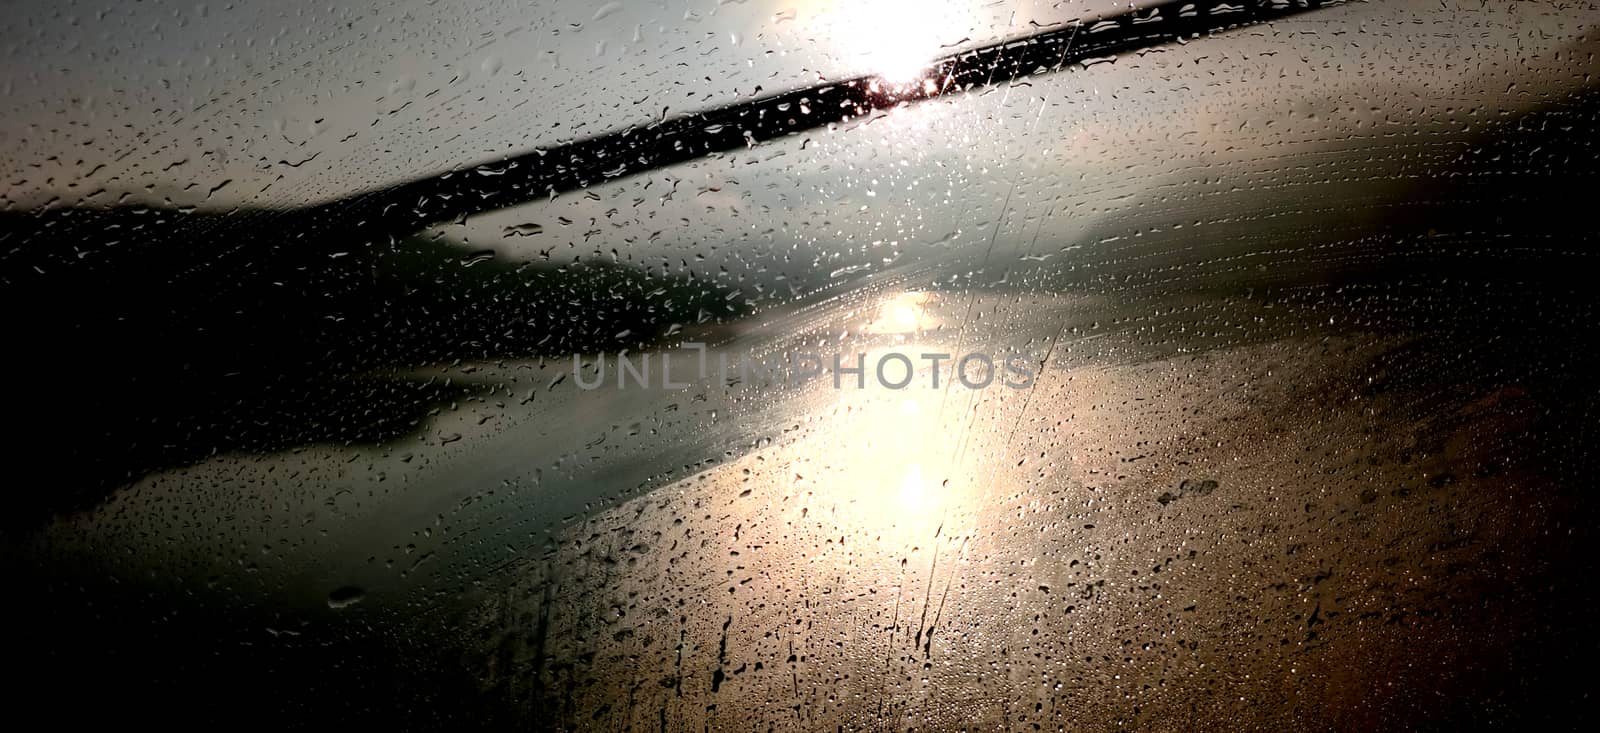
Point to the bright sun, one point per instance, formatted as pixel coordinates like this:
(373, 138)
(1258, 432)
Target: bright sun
(896, 39)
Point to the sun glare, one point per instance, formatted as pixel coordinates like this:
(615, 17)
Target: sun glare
(897, 39)
(904, 313)
(913, 491)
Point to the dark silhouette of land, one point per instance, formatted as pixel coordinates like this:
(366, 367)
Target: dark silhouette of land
(142, 348)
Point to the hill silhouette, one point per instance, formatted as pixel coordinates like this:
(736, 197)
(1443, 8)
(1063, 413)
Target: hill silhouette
(147, 338)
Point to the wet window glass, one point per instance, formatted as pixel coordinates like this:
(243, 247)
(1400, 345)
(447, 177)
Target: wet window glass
(802, 365)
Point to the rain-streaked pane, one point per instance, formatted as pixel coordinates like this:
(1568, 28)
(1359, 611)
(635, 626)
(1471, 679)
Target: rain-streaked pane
(439, 365)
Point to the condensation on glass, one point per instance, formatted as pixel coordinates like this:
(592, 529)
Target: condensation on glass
(1277, 412)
